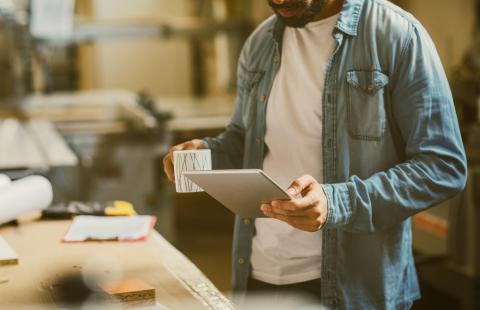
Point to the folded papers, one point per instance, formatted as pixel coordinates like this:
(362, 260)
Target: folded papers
(122, 228)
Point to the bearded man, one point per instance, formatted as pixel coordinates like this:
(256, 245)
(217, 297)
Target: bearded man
(346, 104)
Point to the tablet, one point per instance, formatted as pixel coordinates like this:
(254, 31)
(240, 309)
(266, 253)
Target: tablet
(240, 190)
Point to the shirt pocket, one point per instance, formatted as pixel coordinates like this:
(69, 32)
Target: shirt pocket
(366, 104)
(249, 84)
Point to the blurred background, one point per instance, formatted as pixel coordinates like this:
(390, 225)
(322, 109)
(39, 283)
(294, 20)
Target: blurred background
(94, 92)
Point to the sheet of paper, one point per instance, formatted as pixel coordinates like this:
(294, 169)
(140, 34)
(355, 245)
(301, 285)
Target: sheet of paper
(123, 228)
(7, 254)
(4, 180)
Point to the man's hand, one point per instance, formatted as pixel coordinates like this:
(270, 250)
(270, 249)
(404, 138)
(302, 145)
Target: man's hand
(308, 212)
(195, 144)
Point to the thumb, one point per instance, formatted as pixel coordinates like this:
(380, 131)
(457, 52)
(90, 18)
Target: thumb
(300, 184)
(292, 191)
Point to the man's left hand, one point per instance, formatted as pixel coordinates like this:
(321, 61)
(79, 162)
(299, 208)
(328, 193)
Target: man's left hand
(308, 212)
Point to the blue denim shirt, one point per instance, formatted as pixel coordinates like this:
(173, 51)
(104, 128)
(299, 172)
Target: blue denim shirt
(391, 148)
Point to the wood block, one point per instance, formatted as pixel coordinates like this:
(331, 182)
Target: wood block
(7, 254)
(130, 291)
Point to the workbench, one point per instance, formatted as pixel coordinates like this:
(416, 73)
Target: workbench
(44, 258)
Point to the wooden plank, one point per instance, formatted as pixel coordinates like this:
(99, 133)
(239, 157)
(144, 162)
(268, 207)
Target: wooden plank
(44, 259)
(7, 254)
(132, 292)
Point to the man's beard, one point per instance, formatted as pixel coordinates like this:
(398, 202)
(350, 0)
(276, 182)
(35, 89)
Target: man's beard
(309, 11)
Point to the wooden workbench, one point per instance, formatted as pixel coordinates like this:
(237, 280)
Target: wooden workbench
(43, 259)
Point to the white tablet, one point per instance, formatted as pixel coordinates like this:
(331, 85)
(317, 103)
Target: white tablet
(240, 190)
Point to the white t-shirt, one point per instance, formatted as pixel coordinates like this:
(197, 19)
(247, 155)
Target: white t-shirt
(282, 254)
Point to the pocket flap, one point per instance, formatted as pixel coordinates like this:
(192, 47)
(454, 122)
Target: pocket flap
(368, 81)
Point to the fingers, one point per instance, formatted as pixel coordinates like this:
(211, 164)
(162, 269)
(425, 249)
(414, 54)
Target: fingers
(194, 144)
(273, 209)
(182, 146)
(292, 209)
(168, 167)
(299, 185)
(305, 202)
(308, 213)
(311, 198)
(300, 222)
(168, 159)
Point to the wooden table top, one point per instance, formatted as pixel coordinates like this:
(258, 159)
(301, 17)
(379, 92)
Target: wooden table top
(43, 259)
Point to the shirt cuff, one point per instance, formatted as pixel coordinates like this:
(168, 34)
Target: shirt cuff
(339, 204)
(206, 144)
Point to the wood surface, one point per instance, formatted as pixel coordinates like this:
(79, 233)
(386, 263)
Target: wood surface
(44, 259)
(7, 254)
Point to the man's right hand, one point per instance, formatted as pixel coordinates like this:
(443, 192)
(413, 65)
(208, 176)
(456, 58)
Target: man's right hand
(195, 144)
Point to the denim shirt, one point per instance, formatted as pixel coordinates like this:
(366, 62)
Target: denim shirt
(391, 148)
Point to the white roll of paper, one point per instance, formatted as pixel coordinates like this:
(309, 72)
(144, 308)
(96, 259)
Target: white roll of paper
(4, 180)
(23, 196)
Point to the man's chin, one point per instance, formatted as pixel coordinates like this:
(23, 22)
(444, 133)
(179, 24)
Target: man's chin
(295, 21)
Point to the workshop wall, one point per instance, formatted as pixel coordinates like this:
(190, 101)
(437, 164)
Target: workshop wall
(450, 24)
(110, 65)
(159, 66)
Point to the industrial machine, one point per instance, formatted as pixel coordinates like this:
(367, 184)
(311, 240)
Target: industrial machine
(119, 137)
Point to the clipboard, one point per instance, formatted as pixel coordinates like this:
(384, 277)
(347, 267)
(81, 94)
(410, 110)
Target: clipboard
(242, 191)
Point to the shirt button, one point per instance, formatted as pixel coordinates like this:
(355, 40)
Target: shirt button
(370, 88)
(241, 261)
(247, 221)
(276, 58)
(263, 98)
(258, 140)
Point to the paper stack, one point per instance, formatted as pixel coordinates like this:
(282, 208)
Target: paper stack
(122, 228)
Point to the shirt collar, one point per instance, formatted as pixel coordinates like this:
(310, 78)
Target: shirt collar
(350, 17)
(348, 20)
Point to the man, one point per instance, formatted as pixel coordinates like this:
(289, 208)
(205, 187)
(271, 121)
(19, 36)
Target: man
(346, 101)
